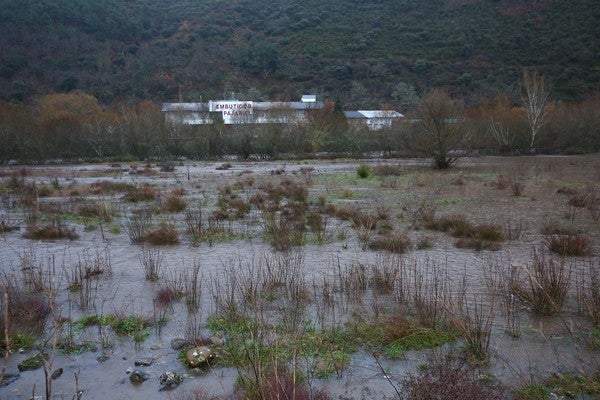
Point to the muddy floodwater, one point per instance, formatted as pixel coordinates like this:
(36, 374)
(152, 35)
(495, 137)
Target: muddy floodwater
(273, 254)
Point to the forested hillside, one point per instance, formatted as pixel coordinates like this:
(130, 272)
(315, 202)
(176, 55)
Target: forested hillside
(366, 53)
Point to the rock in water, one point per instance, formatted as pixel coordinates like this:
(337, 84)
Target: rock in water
(170, 380)
(144, 362)
(137, 377)
(57, 373)
(178, 344)
(102, 359)
(9, 378)
(197, 356)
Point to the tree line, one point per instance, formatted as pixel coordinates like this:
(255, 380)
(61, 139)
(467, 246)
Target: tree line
(75, 126)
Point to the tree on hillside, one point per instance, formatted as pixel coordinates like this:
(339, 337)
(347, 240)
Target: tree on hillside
(534, 94)
(441, 131)
(405, 95)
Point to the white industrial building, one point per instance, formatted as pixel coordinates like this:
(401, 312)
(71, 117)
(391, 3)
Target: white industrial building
(241, 111)
(373, 119)
(268, 112)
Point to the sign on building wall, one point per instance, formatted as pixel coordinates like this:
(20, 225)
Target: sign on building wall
(233, 111)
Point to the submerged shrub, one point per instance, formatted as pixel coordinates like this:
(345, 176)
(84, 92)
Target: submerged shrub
(166, 295)
(272, 385)
(175, 203)
(569, 245)
(549, 284)
(53, 230)
(395, 243)
(449, 379)
(164, 235)
(108, 187)
(143, 193)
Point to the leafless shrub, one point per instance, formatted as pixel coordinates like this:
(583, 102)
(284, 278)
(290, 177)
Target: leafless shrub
(589, 200)
(473, 321)
(23, 311)
(548, 284)
(503, 281)
(193, 222)
(38, 275)
(138, 225)
(317, 223)
(192, 288)
(271, 382)
(429, 289)
(351, 281)
(193, 330)
(384, 274)
(152, 263)
(425, 214)
(588, 292)
(166, 295)
(273, 282)
(514, 230)
(80, 277)
(449, 378)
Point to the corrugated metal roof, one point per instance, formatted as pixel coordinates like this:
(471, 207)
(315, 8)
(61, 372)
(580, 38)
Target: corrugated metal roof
(258, 105)
(354, 115)
(380, 113)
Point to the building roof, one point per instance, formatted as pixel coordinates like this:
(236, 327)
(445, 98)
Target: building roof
(353, 115)
(257, 105)
(380, 113)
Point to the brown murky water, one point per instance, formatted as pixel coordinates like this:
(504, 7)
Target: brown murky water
(545, 345)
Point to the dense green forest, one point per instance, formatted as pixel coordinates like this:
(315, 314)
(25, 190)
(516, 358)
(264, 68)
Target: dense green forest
(366, 53)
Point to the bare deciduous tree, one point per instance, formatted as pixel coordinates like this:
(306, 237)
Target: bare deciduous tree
(442, 133)
(501, 134)
(534, 94)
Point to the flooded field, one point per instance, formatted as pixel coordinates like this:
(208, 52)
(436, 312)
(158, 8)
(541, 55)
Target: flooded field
(300, 279)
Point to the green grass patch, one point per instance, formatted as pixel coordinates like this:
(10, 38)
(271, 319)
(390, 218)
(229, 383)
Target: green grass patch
(218, 236)
(18, 340)
(330, 350)
(395, 336)
(134, 327)
(251, 343)
(72, 348)
(563, 386)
